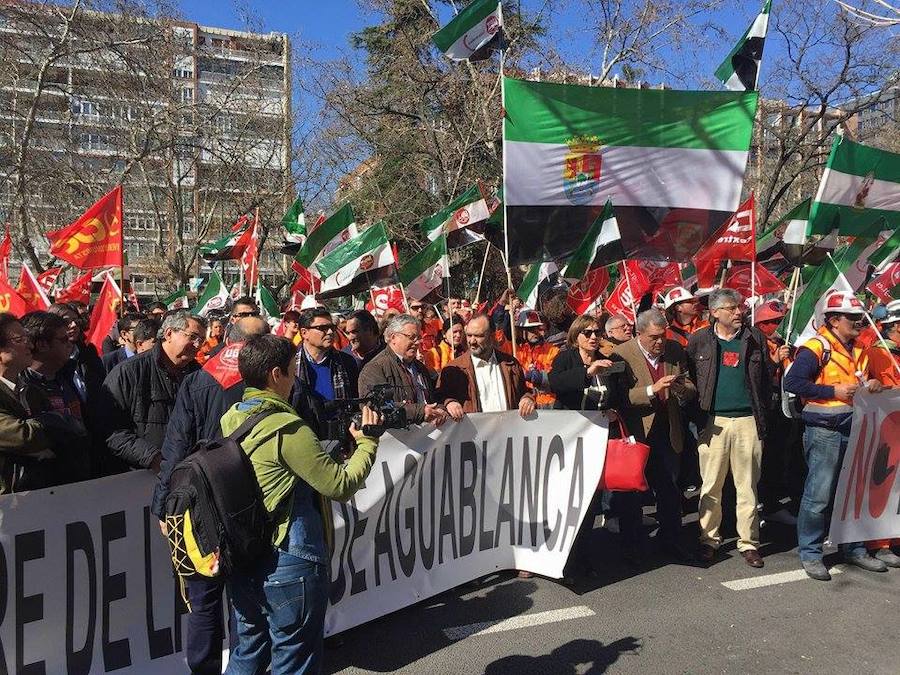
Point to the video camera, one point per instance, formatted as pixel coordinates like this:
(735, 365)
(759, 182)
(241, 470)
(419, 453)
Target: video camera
(380, 399)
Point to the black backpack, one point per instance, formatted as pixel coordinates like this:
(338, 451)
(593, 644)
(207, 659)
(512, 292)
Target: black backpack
(216, 521)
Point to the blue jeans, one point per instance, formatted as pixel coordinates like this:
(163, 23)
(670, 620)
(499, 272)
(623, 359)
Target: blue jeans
(824, 451)
(280, 611)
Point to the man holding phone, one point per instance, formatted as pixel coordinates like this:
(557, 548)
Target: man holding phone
(658, 389)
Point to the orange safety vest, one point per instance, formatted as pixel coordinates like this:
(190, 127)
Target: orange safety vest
(541, 357)
(881, 363)
(438, 357)
(840, 367)
(681, 333)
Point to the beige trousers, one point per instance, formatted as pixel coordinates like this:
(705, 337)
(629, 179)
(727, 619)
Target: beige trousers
(730, 442)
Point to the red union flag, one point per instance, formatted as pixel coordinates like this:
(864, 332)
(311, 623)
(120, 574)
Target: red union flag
(5, 249)
(628, 292)
(383, 299)
(739, 278)
(250, 257)
(10, 301)
(886, 286)
(31, 291)
(48, 279)
(95, 239)
(584, 295)
(661, 273)
(735, 240)
(78, 291)
(105, 313)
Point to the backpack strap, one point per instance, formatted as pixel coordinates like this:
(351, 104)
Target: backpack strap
(239, 434)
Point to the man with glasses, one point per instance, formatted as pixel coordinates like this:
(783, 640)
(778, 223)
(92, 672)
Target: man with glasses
(139, 395)
(828, 370)
(618, 329)
(658, 390)
(323, 373)
(398, 366)
(244, 307)
(729, 363)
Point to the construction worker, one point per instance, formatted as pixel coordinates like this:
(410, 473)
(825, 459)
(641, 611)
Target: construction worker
(683, 312)
(536, 355)
(828, 369)
(884, 360)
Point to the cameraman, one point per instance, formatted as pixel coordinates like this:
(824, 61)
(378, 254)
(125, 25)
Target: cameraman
(280, 604)
(323, 373)
(398, 367)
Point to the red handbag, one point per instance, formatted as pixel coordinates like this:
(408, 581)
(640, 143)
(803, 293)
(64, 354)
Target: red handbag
(626, 459)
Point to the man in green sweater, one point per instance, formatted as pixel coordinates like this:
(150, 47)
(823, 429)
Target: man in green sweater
(280, 605)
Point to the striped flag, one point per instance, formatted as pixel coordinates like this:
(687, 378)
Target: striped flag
(426, 270)
(214, 296)
(467, 210)
(740, 69)
(470, 30)
(294, 223)
(536, 275)
(334, 231)
(601, 246)
(177, 300)
(348, 266)
(672, 162)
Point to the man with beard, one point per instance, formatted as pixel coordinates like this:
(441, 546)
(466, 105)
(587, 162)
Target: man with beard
(536, 356)
(365, 339)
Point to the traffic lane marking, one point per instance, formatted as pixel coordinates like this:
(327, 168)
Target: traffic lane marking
(516, 622)
(773, 579)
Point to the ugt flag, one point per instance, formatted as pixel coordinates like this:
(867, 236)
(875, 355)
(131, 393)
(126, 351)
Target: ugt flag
(672, 162)
(95, 239)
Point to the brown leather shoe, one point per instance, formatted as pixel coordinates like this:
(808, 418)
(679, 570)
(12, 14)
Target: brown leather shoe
(707, 553)
(753, 558)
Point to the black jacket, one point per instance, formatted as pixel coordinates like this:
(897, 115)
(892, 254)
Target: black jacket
(308, 404)
(138, 399)
(703, 365)
(198, 410)
(568, 379)
(112, 359)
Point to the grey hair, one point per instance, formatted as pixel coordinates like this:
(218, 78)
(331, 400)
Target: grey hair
(615, 317)
(723, 296)
(396, 324)
(650, 317)
(179, 320)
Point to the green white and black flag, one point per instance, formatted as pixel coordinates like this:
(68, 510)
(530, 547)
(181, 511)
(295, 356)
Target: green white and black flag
(457, 220)
(177, 300)
(333, 232)
(351, 266)
(214, 296)
(672, 162)
(740, 69)
(426, 270)
(470, 30)
(601, 246)
(529, 289)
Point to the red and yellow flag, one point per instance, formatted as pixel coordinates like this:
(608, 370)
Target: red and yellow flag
(5, 249)
(31, 291)
(105, 313)
(95, 239)
(78, 291)
(10, 301)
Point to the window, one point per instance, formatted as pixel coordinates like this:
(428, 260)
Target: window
(94, 142)
(85, 108)
(187, 94)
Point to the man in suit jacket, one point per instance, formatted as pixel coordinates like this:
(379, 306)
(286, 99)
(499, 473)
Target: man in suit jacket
(483, 379)
(658, 388)
(398, 367)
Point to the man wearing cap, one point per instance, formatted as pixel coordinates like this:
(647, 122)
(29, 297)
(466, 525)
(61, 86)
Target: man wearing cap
(536, 356)
(828, 370)
(683, 313)
(781, 474)
(884, 359)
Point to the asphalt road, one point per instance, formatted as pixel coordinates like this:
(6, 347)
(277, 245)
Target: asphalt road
(661, 618)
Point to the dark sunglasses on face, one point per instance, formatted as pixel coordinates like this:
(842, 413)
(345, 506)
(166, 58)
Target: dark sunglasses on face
(242, 315)
(588, 333)
(324, 327)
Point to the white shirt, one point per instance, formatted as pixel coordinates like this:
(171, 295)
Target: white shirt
(9, 383)
(653, 361)
(489, 382)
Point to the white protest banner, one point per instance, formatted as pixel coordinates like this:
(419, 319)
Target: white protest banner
(445, 506)
(867, 501)
(86, 582)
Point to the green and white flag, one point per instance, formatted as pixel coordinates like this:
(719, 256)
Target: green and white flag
(470, 208)
(859, 185)
(332, 233)
(426, 270)
(231, 246)
(214, 296)
(671, 161)
(177, 300)
(470, 30)
(848, 273)
(537, 274)
(266, 302)
(368, 251)
(294, 223)
(740, 69)
(601, 246)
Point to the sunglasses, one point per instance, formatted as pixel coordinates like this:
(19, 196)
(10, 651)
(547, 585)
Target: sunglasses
(588, 333)
(324, 327)
(243, 315)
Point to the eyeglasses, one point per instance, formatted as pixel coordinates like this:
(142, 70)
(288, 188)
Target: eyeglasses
(324, 327)
(411, 338)
(588, 333)
(416, 308)
(731, 309)
(624, 326)
(192, 337)
(242, 315)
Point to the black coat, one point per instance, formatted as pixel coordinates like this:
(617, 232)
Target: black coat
(114, 358)
(703, 365)
(309, 404)
(197, 414)
(138, 398)
(568, 379)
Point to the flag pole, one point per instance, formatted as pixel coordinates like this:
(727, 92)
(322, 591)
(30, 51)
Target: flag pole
(790, 299)
(868, 317)
(753, 292)
(487, 251)
(509, 284)
(630, 293)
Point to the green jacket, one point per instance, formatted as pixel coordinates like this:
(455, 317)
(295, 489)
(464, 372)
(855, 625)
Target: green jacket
(284, 449)
(19, 435)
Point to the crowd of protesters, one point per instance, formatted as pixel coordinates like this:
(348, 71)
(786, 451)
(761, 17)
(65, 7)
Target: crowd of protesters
(699, 382)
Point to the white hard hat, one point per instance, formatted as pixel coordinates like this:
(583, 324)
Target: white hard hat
(528, 318)
(675, 295)
(893, 313)
(839, 302)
